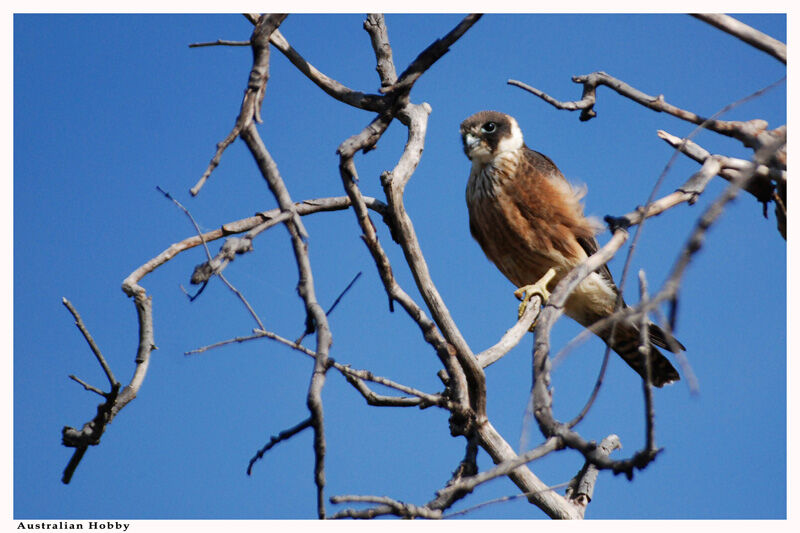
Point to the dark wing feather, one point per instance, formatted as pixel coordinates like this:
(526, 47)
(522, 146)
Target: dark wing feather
(589, 244)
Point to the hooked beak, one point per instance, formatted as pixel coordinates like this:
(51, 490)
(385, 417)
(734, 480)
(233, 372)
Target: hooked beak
(470, 142)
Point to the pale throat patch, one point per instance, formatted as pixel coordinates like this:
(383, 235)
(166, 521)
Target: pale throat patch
(477, 150)
(512, 142)
(486, 176)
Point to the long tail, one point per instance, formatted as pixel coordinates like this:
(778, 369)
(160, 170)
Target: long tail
(626, 344)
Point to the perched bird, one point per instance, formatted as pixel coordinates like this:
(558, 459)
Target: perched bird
(528, 219)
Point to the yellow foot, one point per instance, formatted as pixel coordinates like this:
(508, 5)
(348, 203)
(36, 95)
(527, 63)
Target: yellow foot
(526, 292)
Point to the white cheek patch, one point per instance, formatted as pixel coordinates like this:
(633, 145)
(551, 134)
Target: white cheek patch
(514, 141)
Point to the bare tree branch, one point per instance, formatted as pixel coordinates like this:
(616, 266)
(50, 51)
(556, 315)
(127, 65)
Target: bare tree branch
(227, 283)
(305, 288)
(688, 192)
(92, 431)
(554, 505)
(254, 226)
(513, 336)
(542, 397)
(502, 469)
(388, 506)
(394, 182)
(501, 499)
(586, 102)
(709, 216)
(467, 468)
(752, 133)
(421, 399)
(581, 488)
(394, 291)
(305, 207)
(742, 31)
(430, 55)
(465, 393)
(381, 400)
(354, 376)
(761, 188)
(379, 35)
(254, 95)
(369, 102)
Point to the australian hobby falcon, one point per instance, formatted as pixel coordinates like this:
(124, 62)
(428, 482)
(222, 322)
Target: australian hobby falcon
(528, 219)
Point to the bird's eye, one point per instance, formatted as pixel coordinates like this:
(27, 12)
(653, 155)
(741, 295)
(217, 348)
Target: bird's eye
(489, 127)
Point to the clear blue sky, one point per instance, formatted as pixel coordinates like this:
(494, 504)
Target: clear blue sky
(106, 108)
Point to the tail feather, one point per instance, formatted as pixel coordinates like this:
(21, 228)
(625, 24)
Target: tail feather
(659, 338)
(626, 343)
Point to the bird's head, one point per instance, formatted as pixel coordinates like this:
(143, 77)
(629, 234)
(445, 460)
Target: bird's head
(488, 134)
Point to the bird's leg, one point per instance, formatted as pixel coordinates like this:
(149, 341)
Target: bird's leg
(526, 292)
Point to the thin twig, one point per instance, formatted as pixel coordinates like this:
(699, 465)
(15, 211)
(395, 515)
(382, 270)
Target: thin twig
(366, 375)
(86, 386)
(280, 437)
(341, 294)
(244, 301)
(310, 325)
(503, 469)
(258, 334)
(374, 399)
(210, 259)
(504, 499)
(582, 104)
(647, 383)
(90, 340)
(357, 376)
(220, 42)
(595, 391)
